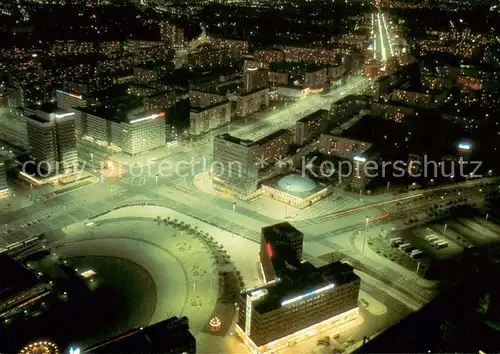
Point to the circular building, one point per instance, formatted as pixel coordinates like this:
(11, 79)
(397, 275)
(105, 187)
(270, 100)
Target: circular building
(296, 184)
(296, 190)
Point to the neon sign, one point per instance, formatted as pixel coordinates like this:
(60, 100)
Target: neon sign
(269, 250)
(153, 116)
(311, 293)
(69, 94)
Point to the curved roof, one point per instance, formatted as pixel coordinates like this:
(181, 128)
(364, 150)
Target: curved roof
(296, 184)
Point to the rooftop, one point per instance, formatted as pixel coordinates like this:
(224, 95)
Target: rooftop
(305, 279)
(14, 278)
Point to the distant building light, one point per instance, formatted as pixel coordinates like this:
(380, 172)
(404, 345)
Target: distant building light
(153, 116)
(63, 115)
(464, 146)
(359, 158)
(88, 273)
(69, 94)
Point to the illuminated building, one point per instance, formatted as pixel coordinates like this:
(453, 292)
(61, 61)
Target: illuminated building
(269, 56)
(205, 118)
(146, 74)
(134, 131)
(69, 100)
(21, 290)
(295, 190)
(254, 64)
(51, 135)
(278, 79)
(353, 150)
(168, 336)
(298, 299)
(172, 34)
(392, 112)
(255, 78)
(310, 125)
(15, 97)
(371, 68)
(347, 107)
(342, 147)
(4, 188)
(249, 102)
(236, 162)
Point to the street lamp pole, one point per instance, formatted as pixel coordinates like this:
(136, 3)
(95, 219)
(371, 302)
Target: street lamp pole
(445, 228)
(486, 217)
(287, 199)
(364, 234)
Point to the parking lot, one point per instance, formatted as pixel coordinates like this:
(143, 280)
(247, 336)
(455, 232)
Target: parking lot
(458, 233)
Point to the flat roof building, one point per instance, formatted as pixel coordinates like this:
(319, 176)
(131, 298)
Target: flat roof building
(298, 299)
(51, 135)
(236, 162)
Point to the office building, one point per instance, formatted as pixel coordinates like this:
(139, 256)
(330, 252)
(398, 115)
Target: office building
(236, 162)
(4, 188)
(298, 299)
(310, 125)
(51, 135)
(168, 336)
(234, 169)
(132, 132)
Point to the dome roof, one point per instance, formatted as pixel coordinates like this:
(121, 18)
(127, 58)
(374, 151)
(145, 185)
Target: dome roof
(296, 184)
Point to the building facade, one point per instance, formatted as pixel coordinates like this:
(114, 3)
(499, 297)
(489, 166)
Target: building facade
(311, 124)
(206, 118)
(51, 134)
(297, 299)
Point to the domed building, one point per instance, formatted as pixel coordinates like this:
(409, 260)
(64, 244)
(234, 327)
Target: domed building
(296, 190)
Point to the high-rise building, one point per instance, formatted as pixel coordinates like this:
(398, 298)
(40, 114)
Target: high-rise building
(297, 299)
(51, 135)
(236, 162)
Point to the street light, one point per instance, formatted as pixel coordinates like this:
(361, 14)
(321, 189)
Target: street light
(364, 236)
(287, 199)
(445, 228)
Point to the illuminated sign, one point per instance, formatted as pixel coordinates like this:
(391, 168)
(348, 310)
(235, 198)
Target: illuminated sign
(269, 250)
(153, 116)
(359, 158)
(311, 293)
(464, 146)
(69, 94)
(62, 115)
(88, 273)
(251, 69)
